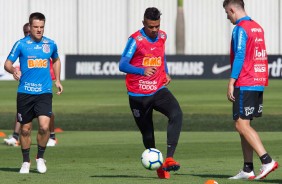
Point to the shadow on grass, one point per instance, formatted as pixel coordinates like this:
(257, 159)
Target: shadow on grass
(121, 176)
(16, 170)
(275, 181)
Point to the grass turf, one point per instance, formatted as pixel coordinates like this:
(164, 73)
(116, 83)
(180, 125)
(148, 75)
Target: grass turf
(114, 157)
(103, 105)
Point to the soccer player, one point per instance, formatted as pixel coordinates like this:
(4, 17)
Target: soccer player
(143, 60)
(249, 76)
(14, 139)
(34, 97)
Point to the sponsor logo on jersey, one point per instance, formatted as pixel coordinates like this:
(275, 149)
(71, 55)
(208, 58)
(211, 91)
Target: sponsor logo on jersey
(152, 61)
(260, 68)
(260, 54)
(37, 63)
(37, 47)
(148, 85)
(256, 30)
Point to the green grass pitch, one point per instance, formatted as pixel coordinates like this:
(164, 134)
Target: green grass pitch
(108, 146)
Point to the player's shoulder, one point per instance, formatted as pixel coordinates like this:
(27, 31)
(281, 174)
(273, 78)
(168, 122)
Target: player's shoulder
(46, 40)
(162, 34)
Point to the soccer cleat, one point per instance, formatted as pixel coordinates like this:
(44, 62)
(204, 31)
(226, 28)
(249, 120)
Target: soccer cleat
(266, 169)
(163, 174)
(243, 175)
(25, 168)
(41, 167)
(11, 141)
(51, 142)
(170, 165)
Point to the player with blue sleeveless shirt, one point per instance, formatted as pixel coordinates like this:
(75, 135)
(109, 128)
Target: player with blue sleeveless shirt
(34, 97)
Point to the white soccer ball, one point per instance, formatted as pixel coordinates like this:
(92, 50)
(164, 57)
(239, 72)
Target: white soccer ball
(152, 159)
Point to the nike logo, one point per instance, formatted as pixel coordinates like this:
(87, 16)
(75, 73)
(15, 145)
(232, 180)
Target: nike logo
(153, 48)
(217, 70)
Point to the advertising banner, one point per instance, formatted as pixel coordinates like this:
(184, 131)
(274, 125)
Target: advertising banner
(179, 66)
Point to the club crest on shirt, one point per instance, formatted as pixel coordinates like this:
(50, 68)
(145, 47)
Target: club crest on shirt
(162, 35)
(139, 38)
(46, 48)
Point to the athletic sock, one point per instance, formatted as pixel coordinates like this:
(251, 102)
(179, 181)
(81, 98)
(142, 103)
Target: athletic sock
(52, 135)
(248, 167)
(16, 135)
(25, 153)
(170, 150)
(265, 159)
(40, 151)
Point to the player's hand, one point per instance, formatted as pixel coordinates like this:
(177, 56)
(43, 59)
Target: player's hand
(17, 74)
(168, 79)
(60, 87)
(230, 92)
(149, 71)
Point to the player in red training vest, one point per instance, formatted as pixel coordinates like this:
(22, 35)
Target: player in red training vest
(249, 76)
(144, 63)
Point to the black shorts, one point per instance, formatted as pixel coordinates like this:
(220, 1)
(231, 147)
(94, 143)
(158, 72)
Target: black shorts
(248, 104)
(32, 106)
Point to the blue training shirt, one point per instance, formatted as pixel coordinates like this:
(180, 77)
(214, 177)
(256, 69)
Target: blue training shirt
(34, 58)
(239, 42)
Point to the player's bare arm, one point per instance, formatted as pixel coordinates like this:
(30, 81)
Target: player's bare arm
(57, 71)
(9, 68)
(149, 71)
(230, 90)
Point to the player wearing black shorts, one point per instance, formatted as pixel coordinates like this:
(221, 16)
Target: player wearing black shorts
(34, 99)
(249, 77)
(144, 63)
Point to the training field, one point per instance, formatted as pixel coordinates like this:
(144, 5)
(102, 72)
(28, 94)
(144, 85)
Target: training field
(101, 143)
(114, 157)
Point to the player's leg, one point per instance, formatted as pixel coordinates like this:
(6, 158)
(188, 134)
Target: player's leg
(25, 115)
(43, 107)
(142, 113)
(167, 104)
(52, 140)
(14, 139)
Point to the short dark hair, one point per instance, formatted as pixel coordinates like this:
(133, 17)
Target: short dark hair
(152, 13)
(237, 2)
(36, 16)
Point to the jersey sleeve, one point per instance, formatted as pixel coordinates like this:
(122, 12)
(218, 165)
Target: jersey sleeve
(124, 64)
(15, 52)
(55, 54)
(239, 47)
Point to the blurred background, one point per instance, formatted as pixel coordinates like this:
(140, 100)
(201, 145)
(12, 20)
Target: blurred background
(103, 26)
(92, 34)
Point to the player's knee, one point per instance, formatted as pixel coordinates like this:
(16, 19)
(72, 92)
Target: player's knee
(25, 132)
(43, 130)
(176, 115)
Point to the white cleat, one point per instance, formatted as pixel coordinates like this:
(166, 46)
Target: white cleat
(243, 175)
(51, 142)
(41, 167)
(25, 168)
(11, 141)
(266, 169)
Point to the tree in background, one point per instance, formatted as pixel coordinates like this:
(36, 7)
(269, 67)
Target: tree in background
(180, 28)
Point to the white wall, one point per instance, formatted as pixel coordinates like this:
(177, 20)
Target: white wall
(103, 26)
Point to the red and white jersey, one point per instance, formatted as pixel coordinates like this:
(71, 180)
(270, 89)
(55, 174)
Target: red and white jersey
(147, 54)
